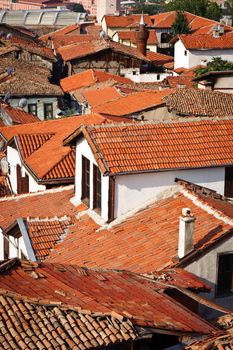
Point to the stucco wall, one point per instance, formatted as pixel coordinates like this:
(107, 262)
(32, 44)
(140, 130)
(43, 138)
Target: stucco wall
(207, 268)
(14, 159)
(180, 60)
(82, 149)
(132, 191)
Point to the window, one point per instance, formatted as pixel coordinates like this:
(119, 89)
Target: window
(185, 52)
(96, 188)
(22, 182)
(6, 247)
(158, 76)
(32, 108)
(228, 182)
(86, 180)
(48, 111)
(225, 275)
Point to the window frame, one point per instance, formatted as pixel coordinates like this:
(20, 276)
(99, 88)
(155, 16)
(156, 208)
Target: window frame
(31, 111)
(86, 168)
(97, 189)
(220, 292)
(46, 112)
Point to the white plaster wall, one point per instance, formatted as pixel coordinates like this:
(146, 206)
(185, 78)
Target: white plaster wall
(196, 56)
(132, 191)
(144, 78)
(13, 251)
(14, 159)
(207, 268)
(83, 149)
(180, 60)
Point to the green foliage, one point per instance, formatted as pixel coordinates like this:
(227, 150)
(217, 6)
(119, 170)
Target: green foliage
(180, 25)
(216, 64)
(78, 8)
(203, 8)
(229, 8)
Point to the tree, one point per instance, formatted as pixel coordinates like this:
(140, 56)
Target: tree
(78, 8)
(229, 8)
(180, 25)
(203, 8)
(216, 64)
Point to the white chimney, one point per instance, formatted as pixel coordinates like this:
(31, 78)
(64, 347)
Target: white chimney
(186, 233)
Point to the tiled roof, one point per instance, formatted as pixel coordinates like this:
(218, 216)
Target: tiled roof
(4, 186)
(79, 50)
(62, 31)
(28, 79)
(207, 41)
(63, 40)
(133, 103)
(178, 81)
(135, 148)
(137, 243)
(125, 21)
(48, 203)
(197, 24)
(130, 35)
(222, 341)
(40, 145)
(17, 115)
(101, 96)
(52, 327)
(88, 78)
(108, 292)
(200, 102)
(45, 233)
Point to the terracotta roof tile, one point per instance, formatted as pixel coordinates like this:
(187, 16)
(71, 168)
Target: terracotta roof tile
(48, 203)
(207, 41)
(44, 234)
(200, 102)
(137, 243)
(17, 115)
(125, 21)
(63, 40)
(101, 96)
(40, 145)
(4, 186)
(62, 31)
(133, 103)
(146, 147)
(215, 342)
(118, 293)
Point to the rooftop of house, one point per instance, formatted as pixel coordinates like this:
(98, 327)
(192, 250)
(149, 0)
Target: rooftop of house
(89, 77)
(155, 146)
(113, 21)
(67, 30)
(5, 189)
(222, 341)
(200, 102)
(136, 241)
(134, 103)
(63, 40)
(179, 81)
(49, 203)
(17, 115)
(106, 292)
(40, 146)
(79, 50)
(130, 35)
(27, 79)
(214, 74)
(207, 41)
(102, 96)
(197, 24)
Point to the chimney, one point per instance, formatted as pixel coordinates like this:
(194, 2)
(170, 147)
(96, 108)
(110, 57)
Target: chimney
(142, 35)
(186, 233)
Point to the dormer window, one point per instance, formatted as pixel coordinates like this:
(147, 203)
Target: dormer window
(96, 188)
(86, 180)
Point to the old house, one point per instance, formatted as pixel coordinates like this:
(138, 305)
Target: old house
(191, 50)
(27, 80)
(36, 157)
(218, 81)
(13, 116)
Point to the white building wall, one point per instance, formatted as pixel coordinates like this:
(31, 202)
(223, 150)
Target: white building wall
(132, 191)
(14, 159)
(180, 59)
(82, 149)
(207, 268)
(134, 75)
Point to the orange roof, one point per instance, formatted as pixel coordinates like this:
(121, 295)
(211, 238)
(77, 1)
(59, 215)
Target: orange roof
(122, 294)
(125, 21)
(178, 81)
(130, 35)
(63, 31)
(18, 116)
(135, 148)
(87, 78)
(207, 41)
(75, 51)
(63, 40)
(101, 96)
(133, 103)
(40, 146)
(138, 243)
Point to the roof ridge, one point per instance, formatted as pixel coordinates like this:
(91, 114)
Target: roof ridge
(200, 202)
(39, 193)
(48, 219)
